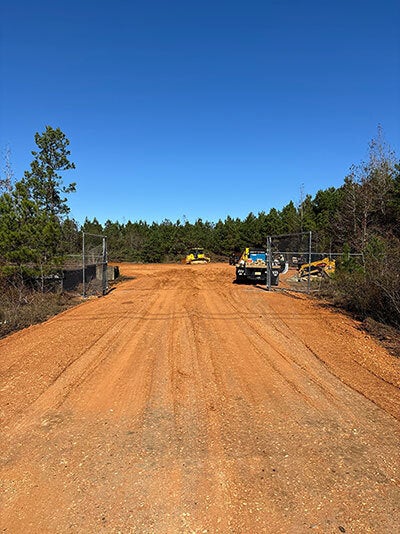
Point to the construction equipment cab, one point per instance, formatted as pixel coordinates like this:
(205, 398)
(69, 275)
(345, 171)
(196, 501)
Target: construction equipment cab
(196, 255)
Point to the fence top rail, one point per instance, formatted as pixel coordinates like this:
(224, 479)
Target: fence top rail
(294, 252)
(94, 235)
(289, 235)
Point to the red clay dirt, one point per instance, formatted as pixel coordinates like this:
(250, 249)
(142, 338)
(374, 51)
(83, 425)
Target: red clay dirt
(184, 403)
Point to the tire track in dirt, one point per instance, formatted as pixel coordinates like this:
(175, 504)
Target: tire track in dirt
(80, 369)
(29, 361)
(352, 364)
(265, 354)
(240, 402)
(369, 384)
(205, 488)
(175, 426)
(293, 362)
(331, 423)
(386, 373)
(128, 370)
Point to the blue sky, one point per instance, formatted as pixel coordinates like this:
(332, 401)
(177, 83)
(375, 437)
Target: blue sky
(199, 109)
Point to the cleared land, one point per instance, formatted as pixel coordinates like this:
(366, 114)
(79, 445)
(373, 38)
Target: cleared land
(182, 402)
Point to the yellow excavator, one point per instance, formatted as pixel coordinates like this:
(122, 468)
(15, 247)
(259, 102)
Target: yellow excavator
(196, 255)
(323, 267)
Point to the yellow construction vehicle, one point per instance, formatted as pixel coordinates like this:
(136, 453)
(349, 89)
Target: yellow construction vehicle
(196, 255)
(323, 267)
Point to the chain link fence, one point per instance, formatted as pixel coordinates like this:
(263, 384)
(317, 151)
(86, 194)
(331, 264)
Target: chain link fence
(88, 272)
(308, 266)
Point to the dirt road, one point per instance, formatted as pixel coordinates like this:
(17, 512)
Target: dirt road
(183, 403)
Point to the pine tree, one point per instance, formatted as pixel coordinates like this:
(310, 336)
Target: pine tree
(43, 180)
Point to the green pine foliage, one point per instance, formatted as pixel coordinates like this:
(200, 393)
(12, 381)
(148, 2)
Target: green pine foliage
(32, 211)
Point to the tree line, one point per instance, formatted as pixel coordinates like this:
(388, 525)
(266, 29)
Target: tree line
(362, 216)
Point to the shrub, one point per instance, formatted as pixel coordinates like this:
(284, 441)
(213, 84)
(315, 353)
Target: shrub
(371, 288)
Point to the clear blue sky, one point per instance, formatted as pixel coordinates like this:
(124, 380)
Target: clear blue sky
(201, 109)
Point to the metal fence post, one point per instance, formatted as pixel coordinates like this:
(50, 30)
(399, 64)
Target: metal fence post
(83, 266)
(269, 261)
(309, 262)
(104, 270)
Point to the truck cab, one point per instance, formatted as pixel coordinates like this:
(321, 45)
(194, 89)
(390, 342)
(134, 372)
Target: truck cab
(253, 266)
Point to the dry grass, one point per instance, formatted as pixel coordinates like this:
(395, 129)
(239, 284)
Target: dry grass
(21, 307)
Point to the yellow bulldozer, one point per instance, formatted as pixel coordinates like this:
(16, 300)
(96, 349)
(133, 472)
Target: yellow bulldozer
(196, 255)
(322, 267)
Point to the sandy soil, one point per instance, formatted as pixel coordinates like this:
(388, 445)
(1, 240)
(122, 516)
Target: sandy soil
(184, 403)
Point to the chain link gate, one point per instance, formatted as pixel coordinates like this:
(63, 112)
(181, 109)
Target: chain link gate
(292, 249)
(94, 264)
